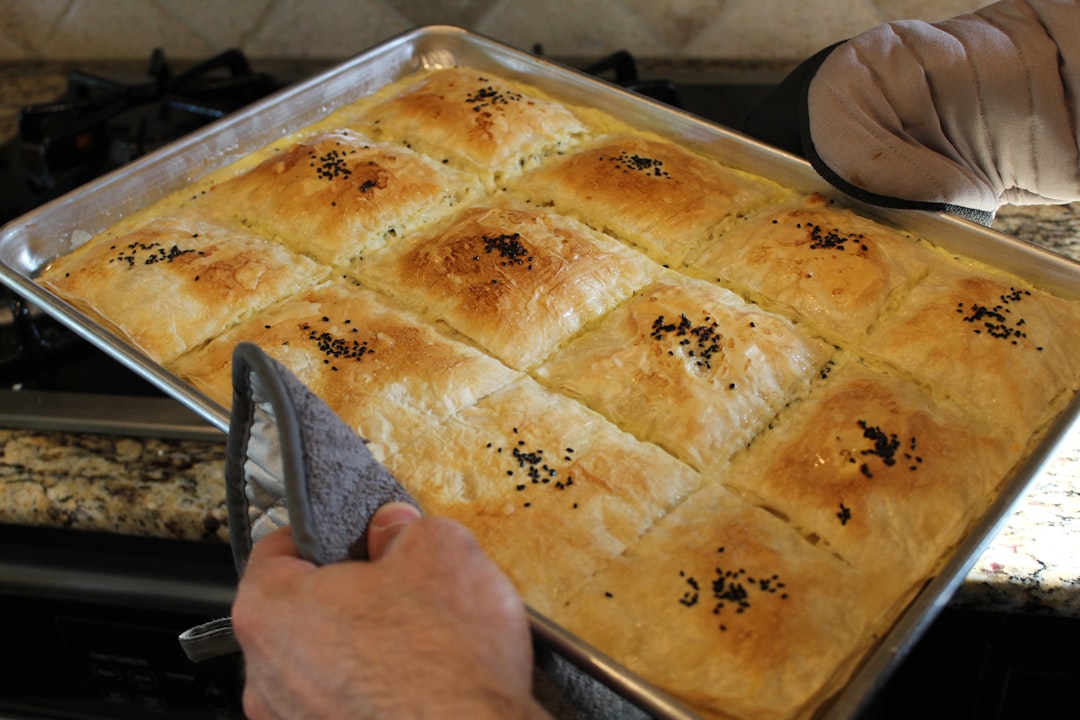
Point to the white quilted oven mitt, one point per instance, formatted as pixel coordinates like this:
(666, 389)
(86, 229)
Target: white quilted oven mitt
(962, 115)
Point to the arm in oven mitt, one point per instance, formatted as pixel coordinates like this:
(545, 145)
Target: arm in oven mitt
(962, 115)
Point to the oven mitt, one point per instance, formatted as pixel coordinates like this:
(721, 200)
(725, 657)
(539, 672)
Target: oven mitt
(291, 461)
(960, 116)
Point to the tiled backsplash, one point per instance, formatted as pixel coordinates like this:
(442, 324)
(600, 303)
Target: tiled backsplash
(329, 29)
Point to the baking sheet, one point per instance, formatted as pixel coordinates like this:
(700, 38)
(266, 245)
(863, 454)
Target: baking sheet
(28, 243)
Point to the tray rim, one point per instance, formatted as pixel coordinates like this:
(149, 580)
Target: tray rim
(206, 150)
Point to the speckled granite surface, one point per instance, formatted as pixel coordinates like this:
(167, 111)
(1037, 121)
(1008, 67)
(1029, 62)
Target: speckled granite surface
(174, 489)
(151, 487)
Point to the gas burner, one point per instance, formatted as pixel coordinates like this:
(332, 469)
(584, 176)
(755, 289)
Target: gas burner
(99, 124)
(623, 71)
(96, 125)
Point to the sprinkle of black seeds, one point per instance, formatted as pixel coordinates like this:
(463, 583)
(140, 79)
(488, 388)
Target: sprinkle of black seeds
(704, 338)
(627, 163)
(887, 447)
(537, 470)
(508, 246)
(150, 253)
(489, 96)
(844, 514)
(729, 589)
(330, 165)
(336, 347)
(833, 239)
(995, 320)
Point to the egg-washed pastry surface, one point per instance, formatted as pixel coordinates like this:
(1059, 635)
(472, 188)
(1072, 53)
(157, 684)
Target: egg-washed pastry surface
(689, 366)
(517, 280)
(651, 193)
(387, 374)
(175, 282)
(729, 474)
(884, 473)
(475, 121)
(727, 607)
(550, 489)
(336, 193)
(825, 265)
(988, 341)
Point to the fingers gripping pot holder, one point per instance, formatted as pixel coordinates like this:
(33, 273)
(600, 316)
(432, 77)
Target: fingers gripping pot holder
(290, 460)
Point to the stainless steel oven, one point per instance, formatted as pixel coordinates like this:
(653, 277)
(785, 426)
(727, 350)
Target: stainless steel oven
(91, 622)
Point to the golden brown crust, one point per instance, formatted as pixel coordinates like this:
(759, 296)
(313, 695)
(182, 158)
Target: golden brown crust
(987, 341)
(549, 488)
(387, 374)
(175, 282)
(727, 607)
(689, 366)
(834, 270)
(517, 280)
(475, 121)
(336, 194)
(651, 193)
(885, 475)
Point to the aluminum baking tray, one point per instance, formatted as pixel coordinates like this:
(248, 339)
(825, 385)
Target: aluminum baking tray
(29, 242)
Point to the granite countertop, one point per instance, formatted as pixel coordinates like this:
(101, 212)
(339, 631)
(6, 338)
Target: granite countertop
(175, 489)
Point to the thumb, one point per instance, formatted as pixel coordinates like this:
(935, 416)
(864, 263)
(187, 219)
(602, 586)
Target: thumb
(386, 523)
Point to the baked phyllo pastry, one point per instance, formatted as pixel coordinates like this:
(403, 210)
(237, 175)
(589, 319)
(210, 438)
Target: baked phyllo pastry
(335, 194)
(834, 270)
(988, 341)
(174, 282)
(517, 280)
(887, 476)
(651, 193)
(474, 121)
(383, 371)
(689, 366)
(550, 489)
(728, 608)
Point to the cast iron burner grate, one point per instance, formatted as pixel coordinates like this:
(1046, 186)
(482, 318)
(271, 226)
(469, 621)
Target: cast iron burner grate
(621, 68)
(96, 125)
(100, 124)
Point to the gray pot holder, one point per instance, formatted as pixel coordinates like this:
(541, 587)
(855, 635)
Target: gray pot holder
(291, 461)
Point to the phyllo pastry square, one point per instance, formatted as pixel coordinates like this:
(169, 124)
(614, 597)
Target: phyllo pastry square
(834, 270)
(474, 121)
(174, 282)
(728, 608)
(648, 192)
(988, 341)
(517, 280)
(335, 194)
(689, 366)
(550, 489)
(887, 476)
(387, 374)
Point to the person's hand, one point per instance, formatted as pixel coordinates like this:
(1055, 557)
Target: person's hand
(429, 628)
